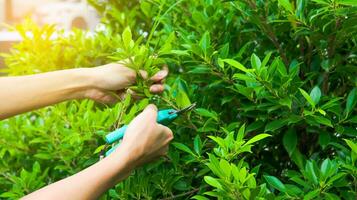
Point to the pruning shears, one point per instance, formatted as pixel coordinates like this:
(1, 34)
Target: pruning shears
(164, 117)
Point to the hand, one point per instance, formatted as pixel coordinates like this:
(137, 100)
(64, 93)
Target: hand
(110, 82)
(145, 140)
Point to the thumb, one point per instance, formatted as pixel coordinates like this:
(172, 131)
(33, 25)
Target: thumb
(151, 112)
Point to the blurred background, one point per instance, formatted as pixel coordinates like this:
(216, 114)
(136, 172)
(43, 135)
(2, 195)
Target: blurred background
(66, 14)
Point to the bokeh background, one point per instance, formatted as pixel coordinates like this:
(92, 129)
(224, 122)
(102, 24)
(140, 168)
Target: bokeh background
(66, 14)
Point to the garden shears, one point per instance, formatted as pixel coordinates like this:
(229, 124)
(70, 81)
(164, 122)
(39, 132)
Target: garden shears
(164, 117)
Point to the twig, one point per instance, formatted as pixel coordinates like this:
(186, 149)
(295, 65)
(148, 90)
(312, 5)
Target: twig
(168, 102)
(183, 194)
(175, 107)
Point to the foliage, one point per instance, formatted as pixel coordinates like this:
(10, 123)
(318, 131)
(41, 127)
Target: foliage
(283, 69)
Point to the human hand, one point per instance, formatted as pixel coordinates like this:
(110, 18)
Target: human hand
(111, 81)
(145, 140)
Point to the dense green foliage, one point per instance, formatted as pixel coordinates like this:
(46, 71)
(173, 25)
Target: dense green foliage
(275, 84)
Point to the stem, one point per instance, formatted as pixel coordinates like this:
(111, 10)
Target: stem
(182, 195)
(270, 89)
(271, 35)
(267, 29)
(331, 52)
(159, 19)
(168, 102)
(175, 107)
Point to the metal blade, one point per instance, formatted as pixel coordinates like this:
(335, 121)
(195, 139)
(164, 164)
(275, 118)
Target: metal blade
(188, 108)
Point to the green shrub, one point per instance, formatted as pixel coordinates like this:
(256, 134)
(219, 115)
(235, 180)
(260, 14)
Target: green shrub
(284, 69)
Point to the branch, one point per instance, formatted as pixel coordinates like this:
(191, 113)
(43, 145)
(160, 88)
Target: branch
(183, 194)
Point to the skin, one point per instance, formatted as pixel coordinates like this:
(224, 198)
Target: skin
(144, 142)
(105, 84)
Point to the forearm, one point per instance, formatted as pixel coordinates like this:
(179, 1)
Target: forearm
(90, 183)
(25, 93)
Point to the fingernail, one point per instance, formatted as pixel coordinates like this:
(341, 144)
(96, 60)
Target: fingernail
(162, 74)
(156, 88)
(152, 106)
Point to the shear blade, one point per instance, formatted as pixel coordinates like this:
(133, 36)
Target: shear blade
(188, 108)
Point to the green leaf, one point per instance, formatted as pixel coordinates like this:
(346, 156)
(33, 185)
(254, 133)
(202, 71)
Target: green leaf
(331, 196)
(353, 119)
(182, 99)
(274, 125)
(315, 94)
(324, 139)
(347, 2)
(205, 43)
(183, 147)
(257, 138)
(99, 149)
(325, 168)
(225, 167)
(351, 101)
(323, 2)
(241, 133)
(45, 156)
(336, 177)
(312, 194)
(213, 182)
(352, 145)
(180, 52)
(322, 112)
(236, 64)
(167, 47)
(286, 102)
(199, 197)
(298, 158)
(322, 120)
(266, 59)
(145, 7)
(287, 5)
(307, 97)
(197, 144)
(206, 113)
(310, 171)
(290, 141)
(127, 37)
(255, 61)
(275, 182)
(281, 68)
(243, 77)
(224, 51)
(300, 8)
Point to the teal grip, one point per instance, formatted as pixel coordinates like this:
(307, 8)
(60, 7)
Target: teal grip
(164, 117)
(116, 135)
(111, 150)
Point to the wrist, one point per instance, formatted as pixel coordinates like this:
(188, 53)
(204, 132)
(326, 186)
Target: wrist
(125, 155)
(111, 76)
(81, 82)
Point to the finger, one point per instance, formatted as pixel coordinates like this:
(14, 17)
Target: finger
(126, 61)
(116, 65)
(151, 112)
(157, 88)
(164, 150)
(167, 131)
(121, 94)
(161, 75)
(144, 74)
(109, 99)
(133, 94)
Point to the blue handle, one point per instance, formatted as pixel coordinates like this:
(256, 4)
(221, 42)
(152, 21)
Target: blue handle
(116, 135)
(111, 150)
(164, 117)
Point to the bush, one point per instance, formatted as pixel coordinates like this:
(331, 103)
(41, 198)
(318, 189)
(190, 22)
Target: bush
(274, 81)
